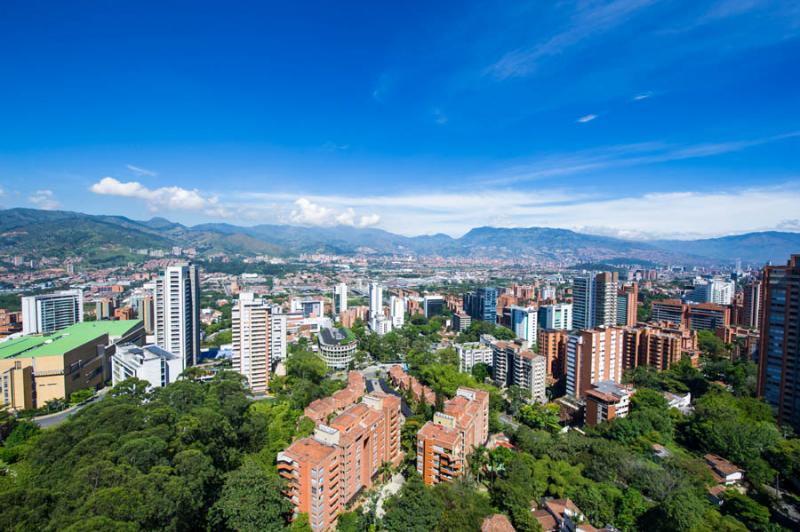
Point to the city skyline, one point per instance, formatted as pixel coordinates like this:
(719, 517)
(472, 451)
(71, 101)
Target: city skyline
(630, 118)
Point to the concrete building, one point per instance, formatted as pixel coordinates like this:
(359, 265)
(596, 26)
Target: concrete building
(592, 356)
(397, 311)
(35, 369)
(149, 363)
(594, 300)
(779, 352)
(658, 345)
(375, 301)
(556, 317)
(320, 410)
(250, 325)
(607, 400)
(177, 305)
(472, 353)
(418, 391)
(514, 365)
(524, 323)
(444, 444)
(339, 298)
(277, 335)
(696, 316)
(326, 471)
(628, 305)
(752, 305)
(553, 347)
(104, 308)
(461, 321)
(47, 313)
(337, 347)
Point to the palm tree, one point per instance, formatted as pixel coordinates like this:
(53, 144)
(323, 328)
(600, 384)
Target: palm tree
(385, 470)
(495, 465)
(478, 461)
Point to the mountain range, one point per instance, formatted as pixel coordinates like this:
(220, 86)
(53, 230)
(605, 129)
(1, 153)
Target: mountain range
(98, 238)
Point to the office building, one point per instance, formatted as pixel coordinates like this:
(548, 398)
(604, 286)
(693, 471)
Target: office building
(482, 304)
(592, 356)
(556, 317)
(149, 363)
(177, 305)
(250, 325)
(594, 300)
(445, 444)
(433, 305)
(397, 311)
(628, 305)
(309, 307)
(779, 352)
(35, 369)
(327, 471)
(461, 321)
(752, 305)
(553, 347)
(605, 401)
(337, 347)
(47, 313)
(472, 353)
(339, 298)
(524, 323)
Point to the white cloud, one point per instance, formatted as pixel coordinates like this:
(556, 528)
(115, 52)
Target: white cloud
(141, 172)
(44, 199)
(642, 96)
(439, 117)
(306, 212)
(163, 198)
(586, 118)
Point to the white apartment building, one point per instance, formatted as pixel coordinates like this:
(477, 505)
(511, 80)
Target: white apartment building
(524, 323)
(556, 317)
(397, 311)
(177, 305)
(472, 353)
(251, 327)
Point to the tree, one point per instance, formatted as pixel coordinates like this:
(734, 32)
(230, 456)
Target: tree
(252, 500)
(545, 417)
(753, 515)
(711, 345)
(464, 507)
(648, 398)
(480, 371)
(413, 508)
(300, 524)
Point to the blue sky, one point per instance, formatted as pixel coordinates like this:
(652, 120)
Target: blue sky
(635, 118)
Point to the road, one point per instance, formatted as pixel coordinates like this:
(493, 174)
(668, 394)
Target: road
(52, 420)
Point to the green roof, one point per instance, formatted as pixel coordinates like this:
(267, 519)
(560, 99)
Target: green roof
(65, 340)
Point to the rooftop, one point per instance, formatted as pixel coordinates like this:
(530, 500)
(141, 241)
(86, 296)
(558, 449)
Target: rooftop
(331, 336)
(65, 340)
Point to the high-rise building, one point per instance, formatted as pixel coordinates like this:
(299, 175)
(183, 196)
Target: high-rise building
(594, 300)
(250, 324)
(177, 304)
(752, 304)
(444, 444)
(104, 308)
(779, 352)
(514, 365)
(375, 301)
(433, 305)
(328, 470)
(48, 313)
(627, 305)
(397, 311)
(556, 317)
(553, 347)
(339, 298)
(277, 334)
(696, 316)
(658, 345)
(472, 353)
(482, 304)
(524, 323)
(593, 355)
